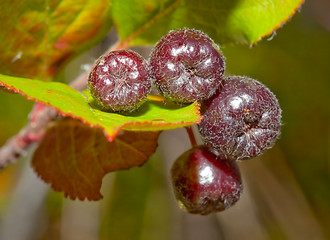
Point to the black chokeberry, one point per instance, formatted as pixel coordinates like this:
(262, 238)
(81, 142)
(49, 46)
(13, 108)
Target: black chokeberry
(204, 182)
(119, 81)
(241, 120)
(186, 66)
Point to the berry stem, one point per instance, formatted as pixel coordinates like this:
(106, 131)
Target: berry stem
(191, 135)
(156, 98)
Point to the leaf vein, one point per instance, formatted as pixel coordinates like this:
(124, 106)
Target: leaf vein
(132, 148)
(149, 23)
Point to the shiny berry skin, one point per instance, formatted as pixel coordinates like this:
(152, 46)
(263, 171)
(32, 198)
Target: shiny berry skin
(242, 120)
(119, 81)
(204, 183)
(186, 66)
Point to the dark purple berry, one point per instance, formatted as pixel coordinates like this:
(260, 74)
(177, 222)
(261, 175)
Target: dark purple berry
(204, 183)
(186, 66)
(242, 120)
(119, 81)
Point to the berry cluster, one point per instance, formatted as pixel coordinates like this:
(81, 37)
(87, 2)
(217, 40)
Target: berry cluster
(241, 116)
(241, 120)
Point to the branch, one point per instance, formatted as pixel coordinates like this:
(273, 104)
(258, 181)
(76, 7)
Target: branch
(39, 119)
(33, 132)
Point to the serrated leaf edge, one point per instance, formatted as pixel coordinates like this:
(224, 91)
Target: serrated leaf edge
(118, 129)
(281, 24)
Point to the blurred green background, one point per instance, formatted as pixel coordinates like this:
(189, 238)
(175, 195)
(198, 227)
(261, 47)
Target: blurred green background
(286, 193)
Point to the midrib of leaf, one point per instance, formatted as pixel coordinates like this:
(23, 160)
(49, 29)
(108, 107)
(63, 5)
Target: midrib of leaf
(132, 148)
(58, 150)
(120, 154)
(126, 42)
(95, 155)
(74, 157)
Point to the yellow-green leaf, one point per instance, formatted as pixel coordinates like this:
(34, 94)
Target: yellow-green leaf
(226, 21)
(151, 116)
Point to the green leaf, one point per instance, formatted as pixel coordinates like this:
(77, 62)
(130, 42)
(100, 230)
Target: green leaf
(39, 37)
(227, 21)
(152, 116)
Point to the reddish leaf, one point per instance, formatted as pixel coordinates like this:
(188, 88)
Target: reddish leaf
(73, 157)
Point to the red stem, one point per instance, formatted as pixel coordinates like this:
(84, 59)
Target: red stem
(191, 135)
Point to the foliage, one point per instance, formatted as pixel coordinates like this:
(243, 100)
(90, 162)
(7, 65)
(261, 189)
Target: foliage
(54, 36)
(40, 39)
